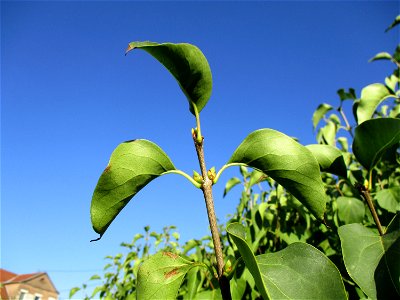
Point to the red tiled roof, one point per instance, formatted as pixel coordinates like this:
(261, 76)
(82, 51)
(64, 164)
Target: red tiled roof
(9, 277)
(6, 275)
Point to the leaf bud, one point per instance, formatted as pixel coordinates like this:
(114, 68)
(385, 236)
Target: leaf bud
(212, 174)
(197, 177)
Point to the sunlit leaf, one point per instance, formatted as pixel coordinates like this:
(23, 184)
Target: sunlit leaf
(161, 275)
(350, 95)
(395, 23)
(73, 291)
(132, 166)
(381, 56)
(330, 159)
(299, 271)
(238, 233)
(329, 133)
(230, 184)
(287, 162)
(256, 177)
(389, 199)
(351, 210)
(371, 260)
(319, 113)
(187, 64)
(371, 96)
(391, 82)
(373, 137)
(214, 294)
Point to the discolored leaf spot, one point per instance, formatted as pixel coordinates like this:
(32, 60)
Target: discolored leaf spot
(171, 255)
(171, 273)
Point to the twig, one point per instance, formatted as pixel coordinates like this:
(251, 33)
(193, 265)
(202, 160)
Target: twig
(364, 192)
(208, 197)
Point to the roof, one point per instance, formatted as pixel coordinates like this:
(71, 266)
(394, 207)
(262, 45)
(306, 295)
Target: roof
(7, 277)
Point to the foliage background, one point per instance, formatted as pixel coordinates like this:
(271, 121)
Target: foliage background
(69, 96)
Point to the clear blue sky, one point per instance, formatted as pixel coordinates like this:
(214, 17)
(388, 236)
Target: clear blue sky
(69, 96)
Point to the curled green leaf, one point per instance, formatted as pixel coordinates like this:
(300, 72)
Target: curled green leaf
(371, 96)
(132, 166)
(394, 24)
(381, 56)
(350, 95)
(187, 64)
(287, 162)
(330, 159)
(372, 139)
(319, 113)
(230, 184)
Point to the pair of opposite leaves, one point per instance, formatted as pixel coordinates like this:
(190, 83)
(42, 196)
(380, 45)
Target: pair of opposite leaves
(135, 163)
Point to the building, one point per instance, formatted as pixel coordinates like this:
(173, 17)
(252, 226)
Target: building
(35, 286)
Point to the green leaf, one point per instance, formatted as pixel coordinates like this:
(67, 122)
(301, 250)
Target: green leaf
(350, 95)
(391, 83)
(214, 294)
(95, 277)
(73, 291)
(319, 113)
(389, 199)
(255, 178)
(132, 165)
(287, 162)
(330, 159)
(371, 96)
(187, 64)
(161, 275)
(230, 184)
(299, 271)
(372, 260)
(193, 282)
(329, 133)
(395, 23)
(381, 56)
(238, 234)
(373, 137)
(351, 210)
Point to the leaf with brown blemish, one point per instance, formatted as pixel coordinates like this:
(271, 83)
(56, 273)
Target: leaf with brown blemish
(171, 273)
(171, 255)
(134, 164)
(161, 276)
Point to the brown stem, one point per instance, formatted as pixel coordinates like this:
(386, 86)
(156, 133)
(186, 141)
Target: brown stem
(208, 197)
(364, 192)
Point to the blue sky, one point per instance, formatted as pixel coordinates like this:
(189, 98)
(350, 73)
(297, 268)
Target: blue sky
(69, 96)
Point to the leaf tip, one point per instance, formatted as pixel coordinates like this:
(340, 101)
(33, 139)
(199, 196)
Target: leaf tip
(130, 47)
(98, 239)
